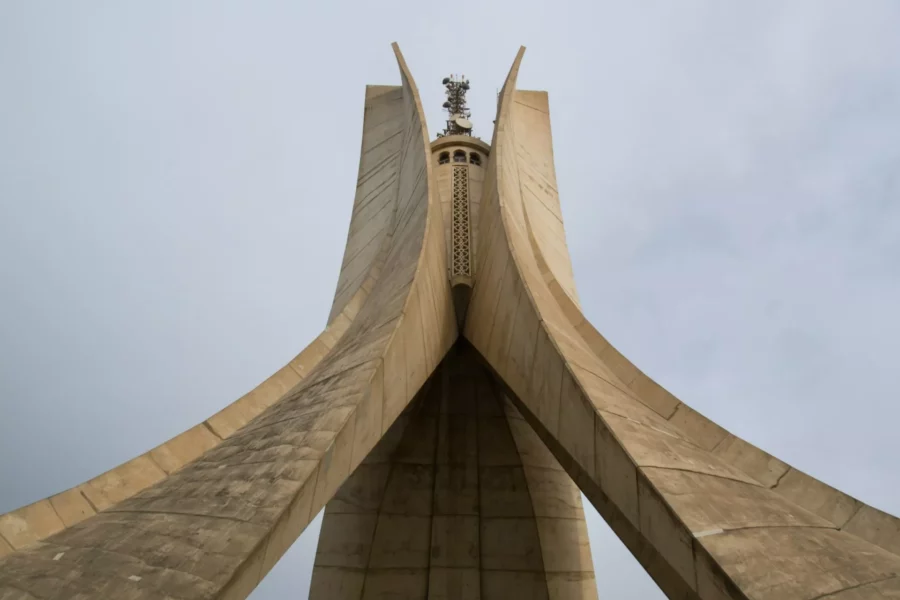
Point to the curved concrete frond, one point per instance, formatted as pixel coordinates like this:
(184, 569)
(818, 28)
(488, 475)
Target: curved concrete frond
(376, 191)
(216, 525)
(29, 524)
(707, 514)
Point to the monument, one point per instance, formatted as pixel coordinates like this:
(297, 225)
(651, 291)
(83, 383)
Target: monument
(447, 419)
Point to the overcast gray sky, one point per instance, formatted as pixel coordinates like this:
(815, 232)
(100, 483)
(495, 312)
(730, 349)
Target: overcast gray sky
(176, 182)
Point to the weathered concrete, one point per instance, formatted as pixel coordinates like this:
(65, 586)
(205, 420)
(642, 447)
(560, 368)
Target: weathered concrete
(461, 493)
(215, 526)
(706, 513)
(471, 490)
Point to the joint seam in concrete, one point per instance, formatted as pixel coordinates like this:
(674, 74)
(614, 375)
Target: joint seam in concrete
(780, 477)
(434, 479)
(675, 410)
(478, 510)
(850, 518)
(853, 587)
(719, 443)
(501, 396)
(527, 105)
(378, 512)
(678, 404)
(711, 532)
(751, 484)
(149, 454)
(114, 509)
(88, 500)
(56, 512)
(212, 431)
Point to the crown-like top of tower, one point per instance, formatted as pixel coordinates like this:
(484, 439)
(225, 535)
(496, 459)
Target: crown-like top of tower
(458, 113)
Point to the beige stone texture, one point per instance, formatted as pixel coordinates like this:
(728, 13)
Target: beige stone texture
(72, 507)
(707, 514)
(184, 448)
(834, 506)
(876, 526)
(452, 468)
(208, 513)
(29, 524)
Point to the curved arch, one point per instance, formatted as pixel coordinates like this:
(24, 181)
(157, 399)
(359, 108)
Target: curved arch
(216, 526)
(707, 515)
(366, 248)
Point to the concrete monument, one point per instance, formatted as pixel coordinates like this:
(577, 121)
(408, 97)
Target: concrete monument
(447, 419)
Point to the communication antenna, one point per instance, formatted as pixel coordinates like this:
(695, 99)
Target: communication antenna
(458, 113)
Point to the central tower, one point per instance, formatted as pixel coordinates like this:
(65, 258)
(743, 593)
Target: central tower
(459, 160)
(460, 499)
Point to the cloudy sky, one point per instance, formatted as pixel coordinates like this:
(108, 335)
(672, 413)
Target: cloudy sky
(176, 181)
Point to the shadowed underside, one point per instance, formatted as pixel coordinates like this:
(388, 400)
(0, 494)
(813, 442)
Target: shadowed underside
(460, 498)
(461, 487)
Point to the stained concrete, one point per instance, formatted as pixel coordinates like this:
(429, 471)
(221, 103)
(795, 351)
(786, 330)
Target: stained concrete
(460, 480)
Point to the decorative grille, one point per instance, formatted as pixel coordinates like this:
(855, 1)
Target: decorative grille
(459, 227)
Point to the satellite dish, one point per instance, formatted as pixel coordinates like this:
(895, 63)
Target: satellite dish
(463, 123)
(446, 105)
(446, 80)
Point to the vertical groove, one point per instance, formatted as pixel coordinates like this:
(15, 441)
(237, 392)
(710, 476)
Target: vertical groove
(88, 500)
(499, 397)
(434, 474)
(475, 369)
(362, 590)
(213, 431)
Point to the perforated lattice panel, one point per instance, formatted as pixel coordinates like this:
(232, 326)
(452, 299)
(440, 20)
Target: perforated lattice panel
(459, 224)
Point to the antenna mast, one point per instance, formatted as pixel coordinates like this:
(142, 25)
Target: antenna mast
(458, 113)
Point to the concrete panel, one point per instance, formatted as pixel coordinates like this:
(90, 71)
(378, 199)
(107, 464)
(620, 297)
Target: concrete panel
(562, 586)
(72, 507)
(502, 585)
(510, 544)
(760, 465)
(29, 524)
(184, 448)
(566, 545)
(456, 490)
(454, 542)
(401, 542)
(834, 506)
(876, 526)
(346, 540)
(786, 563)
(454, 584)
(396, 583)
(698, 428)
(336, 583)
